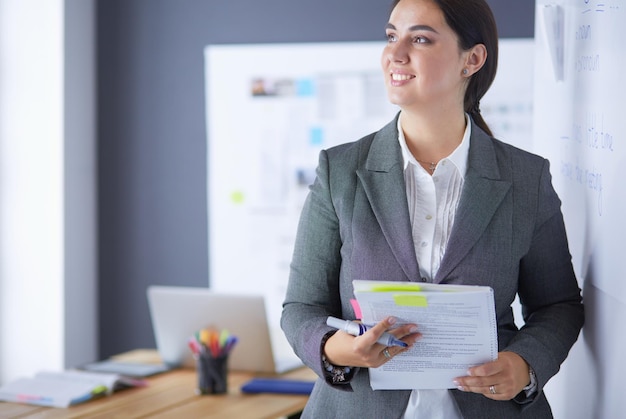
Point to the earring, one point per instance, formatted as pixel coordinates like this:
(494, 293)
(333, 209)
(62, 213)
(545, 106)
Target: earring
(465, 71)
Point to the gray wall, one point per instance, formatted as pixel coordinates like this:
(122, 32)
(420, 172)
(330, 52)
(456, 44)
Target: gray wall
(152, 139)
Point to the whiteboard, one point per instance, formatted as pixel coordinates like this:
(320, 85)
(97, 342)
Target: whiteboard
(271, 108)
(579, 125)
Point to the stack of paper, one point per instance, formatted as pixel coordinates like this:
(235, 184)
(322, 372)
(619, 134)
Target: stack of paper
(63, 389)
(457, 323)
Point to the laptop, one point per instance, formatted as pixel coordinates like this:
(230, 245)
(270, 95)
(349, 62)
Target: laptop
(178, 312)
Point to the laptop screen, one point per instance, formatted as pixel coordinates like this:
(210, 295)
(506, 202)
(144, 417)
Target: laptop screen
(179, 312)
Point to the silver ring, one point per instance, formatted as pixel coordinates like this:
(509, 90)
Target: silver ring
(492, 389)
(386, 353)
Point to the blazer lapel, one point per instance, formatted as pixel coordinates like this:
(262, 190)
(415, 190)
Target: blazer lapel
(482, 194)
(382, 178)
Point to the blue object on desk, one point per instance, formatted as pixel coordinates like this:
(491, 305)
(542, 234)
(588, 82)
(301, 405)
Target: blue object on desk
(277, 385)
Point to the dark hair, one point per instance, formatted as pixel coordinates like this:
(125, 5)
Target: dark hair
(473, 22)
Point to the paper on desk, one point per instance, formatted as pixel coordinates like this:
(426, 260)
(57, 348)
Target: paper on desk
(129, 369)
(63, 388)
(43, 392)
(458, 326)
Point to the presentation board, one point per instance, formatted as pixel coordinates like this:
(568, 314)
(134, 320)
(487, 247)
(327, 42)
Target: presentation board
(579, 126)
(267, 123)
(272, 108)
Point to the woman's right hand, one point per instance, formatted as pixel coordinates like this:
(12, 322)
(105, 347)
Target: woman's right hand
(364, 351)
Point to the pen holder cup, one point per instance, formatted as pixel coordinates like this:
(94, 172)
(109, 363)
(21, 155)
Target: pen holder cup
(212, 374)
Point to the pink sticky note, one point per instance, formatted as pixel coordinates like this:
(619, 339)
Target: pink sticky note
(356, 308)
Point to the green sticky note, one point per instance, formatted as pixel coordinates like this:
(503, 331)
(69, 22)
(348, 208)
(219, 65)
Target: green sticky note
(99, 390)
(399, 287)
(237, 197)
(410, 300)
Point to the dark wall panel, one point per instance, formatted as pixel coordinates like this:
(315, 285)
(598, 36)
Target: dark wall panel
(151, 131)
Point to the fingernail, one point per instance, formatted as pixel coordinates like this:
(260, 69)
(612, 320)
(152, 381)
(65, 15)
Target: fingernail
(414, 329)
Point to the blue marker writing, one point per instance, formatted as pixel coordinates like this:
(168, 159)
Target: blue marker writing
(357, 329)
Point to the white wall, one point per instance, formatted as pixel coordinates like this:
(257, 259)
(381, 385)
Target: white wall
(47, 217)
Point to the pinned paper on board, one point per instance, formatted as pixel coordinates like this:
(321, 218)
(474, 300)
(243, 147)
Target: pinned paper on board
(553, 24)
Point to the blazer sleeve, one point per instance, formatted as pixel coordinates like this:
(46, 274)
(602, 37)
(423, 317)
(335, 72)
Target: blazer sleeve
(313, 288)
(548, 290)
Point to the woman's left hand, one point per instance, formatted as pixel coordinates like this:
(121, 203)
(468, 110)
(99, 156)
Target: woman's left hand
(501, 379)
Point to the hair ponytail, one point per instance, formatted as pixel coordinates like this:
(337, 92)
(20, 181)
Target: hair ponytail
(473, 109)
(478, 119)
(473, 22)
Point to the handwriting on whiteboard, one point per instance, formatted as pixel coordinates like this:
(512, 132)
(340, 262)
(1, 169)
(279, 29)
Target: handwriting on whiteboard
(593, 133)
(585, 177)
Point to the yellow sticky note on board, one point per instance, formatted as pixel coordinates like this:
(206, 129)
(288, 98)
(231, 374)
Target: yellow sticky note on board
(408, 300)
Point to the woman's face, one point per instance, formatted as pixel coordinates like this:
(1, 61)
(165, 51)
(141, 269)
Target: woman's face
(422, 62)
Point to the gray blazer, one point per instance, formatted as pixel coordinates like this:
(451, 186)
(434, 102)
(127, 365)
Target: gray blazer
(508, 234)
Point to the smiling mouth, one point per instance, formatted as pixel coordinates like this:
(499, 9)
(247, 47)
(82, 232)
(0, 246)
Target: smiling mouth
(401, 77)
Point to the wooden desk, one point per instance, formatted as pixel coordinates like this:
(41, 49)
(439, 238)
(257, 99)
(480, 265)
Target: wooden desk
(172, 395)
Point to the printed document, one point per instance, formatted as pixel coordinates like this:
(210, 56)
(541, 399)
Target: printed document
(64, 388)
(457, 323)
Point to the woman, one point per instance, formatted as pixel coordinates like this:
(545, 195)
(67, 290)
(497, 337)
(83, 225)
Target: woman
(433, 197)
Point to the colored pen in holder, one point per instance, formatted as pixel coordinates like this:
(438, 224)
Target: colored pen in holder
(210, 350)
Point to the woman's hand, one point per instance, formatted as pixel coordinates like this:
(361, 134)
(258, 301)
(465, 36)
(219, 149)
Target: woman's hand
(363, 351)
(501, 379)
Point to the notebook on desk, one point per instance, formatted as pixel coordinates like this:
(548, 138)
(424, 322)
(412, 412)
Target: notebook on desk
(178, 312)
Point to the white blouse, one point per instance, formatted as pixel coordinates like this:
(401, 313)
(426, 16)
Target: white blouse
(433, 201)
